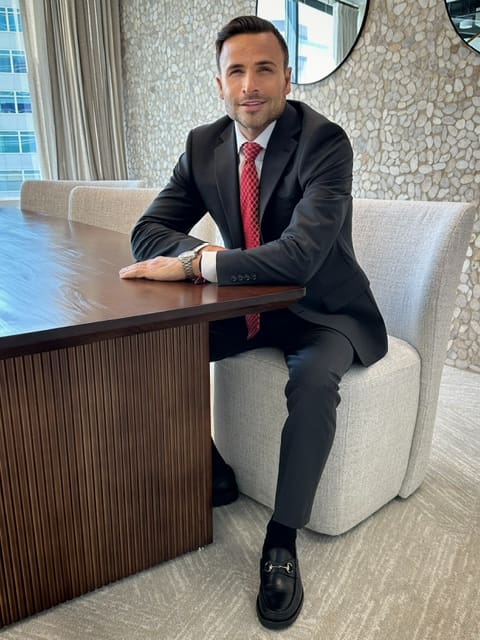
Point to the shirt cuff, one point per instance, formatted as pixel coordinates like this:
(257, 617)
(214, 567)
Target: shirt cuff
(209, 266)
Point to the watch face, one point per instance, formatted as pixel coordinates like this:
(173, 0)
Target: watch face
(188, 254)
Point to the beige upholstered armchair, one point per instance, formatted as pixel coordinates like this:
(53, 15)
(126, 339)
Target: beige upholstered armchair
(119, 208)
(109, 208)
(51, 196)
(413, 253)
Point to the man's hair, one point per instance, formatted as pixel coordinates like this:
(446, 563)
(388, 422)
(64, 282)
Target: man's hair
(249, 24)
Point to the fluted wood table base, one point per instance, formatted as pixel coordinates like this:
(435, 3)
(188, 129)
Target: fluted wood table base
(104, 463)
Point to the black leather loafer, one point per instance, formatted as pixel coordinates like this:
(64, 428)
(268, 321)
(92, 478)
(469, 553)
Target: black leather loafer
(224, 486)
(281, 592)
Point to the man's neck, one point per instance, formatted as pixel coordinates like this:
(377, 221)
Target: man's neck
(262, 138)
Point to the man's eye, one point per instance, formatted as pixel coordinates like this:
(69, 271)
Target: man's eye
(265, 69)
(235, 72)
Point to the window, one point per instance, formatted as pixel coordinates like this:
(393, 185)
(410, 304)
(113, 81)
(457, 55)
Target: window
(27, 142)
(7, 102)
(19, 62)
(17, 142)
(11, 181)
(19, 158)
(15, 102)
(10, 19)
(9, 142)
(5, 61)
(12, 61)
(24, 102)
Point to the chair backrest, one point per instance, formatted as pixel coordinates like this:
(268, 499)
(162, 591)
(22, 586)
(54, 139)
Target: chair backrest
(115, 209)
(119, 209)
(412, 252)
(51, 196)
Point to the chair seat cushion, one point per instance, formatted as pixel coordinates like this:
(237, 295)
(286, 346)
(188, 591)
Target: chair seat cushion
(375, 422)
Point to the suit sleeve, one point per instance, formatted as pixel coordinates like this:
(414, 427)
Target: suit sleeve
(324, 172)
(164, 227)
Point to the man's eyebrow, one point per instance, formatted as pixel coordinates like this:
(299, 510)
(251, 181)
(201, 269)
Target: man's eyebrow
(234, 66)
(263, 62)
(260, 63)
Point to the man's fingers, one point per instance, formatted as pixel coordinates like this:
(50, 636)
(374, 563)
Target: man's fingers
(160, 268)
(136, 270)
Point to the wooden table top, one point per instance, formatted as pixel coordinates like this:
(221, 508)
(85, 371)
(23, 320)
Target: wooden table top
(59, 286)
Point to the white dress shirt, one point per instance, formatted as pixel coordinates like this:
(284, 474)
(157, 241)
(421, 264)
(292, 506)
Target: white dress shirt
(209, 258)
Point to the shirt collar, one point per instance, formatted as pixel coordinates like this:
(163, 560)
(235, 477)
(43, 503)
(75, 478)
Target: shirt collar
(262, 139)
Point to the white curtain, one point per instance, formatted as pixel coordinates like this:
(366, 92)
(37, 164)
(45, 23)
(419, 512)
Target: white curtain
(35, 36)
(74, 56)
(345, 24)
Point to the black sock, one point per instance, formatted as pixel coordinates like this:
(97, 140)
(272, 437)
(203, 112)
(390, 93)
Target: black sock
(279, 535)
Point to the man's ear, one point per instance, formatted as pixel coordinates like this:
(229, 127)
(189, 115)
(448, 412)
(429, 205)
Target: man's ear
(288, 80)
(218, 80)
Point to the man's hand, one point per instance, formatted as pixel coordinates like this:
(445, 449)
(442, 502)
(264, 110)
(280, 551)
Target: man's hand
(164, 268)
(161, 268)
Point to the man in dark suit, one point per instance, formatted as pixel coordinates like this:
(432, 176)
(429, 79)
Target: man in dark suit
(302, 166)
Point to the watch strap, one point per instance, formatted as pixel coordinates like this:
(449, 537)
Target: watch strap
(187, 267)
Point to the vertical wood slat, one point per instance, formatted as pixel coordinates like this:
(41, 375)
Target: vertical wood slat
(104, 464)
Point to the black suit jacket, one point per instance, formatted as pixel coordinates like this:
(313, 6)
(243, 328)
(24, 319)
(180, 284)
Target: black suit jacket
(305, 219)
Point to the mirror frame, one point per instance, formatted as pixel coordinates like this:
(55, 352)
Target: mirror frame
(335, 69)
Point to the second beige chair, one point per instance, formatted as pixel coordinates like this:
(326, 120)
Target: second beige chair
(115, 209)
(51, 196)
(119, 209)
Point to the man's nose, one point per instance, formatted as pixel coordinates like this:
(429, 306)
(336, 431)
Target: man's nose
(249, 82)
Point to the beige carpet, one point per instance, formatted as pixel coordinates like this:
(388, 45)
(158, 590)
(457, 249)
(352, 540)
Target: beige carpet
(410, 572)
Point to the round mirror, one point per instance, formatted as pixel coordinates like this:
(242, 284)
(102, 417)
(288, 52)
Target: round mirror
(320, 34)
(465, 17)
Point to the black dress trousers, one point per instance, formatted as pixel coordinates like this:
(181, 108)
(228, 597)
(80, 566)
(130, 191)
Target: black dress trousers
(317, 357)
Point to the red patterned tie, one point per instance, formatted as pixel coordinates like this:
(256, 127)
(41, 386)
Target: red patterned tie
(249, 195)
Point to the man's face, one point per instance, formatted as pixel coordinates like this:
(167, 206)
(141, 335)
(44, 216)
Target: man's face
(253, 81)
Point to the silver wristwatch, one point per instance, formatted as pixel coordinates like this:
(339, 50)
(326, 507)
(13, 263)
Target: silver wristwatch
(187, 257)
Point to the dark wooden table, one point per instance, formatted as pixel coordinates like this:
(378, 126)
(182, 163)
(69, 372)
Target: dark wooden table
(104, 410)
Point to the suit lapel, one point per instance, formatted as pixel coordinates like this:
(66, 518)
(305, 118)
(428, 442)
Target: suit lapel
(226, 176)
(281, 147)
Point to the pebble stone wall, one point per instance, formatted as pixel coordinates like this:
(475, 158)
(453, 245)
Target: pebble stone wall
(408, 96)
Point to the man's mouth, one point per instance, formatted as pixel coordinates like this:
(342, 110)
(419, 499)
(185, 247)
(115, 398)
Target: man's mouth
(252, 105)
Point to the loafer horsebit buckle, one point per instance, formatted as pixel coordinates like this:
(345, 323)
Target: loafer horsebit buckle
(270, 566)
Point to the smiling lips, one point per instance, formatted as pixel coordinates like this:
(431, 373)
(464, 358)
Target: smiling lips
(252, 105)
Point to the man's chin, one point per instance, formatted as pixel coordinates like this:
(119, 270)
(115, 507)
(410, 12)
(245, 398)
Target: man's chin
(254, 125)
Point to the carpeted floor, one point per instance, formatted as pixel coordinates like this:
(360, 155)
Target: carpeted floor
(410, 572)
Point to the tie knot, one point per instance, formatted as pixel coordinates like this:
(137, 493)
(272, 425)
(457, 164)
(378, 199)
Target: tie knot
(251, 150)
